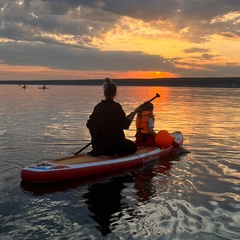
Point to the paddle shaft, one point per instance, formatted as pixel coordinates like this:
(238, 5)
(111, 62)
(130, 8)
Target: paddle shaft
(157, 96)
(76, 153)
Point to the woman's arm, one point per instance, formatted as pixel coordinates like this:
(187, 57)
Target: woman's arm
(131, 116)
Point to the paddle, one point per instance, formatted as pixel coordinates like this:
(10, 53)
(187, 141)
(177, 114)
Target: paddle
(76, 153)
(157, 96)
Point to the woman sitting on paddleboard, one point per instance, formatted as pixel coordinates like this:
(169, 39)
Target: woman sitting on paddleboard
(146, 136)
(106, 125)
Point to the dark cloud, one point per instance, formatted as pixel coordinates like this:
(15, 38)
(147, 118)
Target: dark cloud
(55, 17)
(195, 50)
(219, 71)
(81, 58)
(151, 10)
(207, 56)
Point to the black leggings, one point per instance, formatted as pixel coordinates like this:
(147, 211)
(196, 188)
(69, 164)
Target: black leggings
(128, 147)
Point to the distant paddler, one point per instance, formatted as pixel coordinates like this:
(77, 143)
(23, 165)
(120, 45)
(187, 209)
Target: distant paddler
(43, 87)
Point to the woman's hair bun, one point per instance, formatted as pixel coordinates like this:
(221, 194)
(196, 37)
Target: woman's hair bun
(108, 80)
(110, 88)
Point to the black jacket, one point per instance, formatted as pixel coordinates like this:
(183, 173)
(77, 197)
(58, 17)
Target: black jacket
(106, 124)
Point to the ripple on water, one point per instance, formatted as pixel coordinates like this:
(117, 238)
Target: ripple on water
(176, 219)
(179, 209)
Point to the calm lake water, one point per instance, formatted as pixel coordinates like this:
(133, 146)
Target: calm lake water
(193, 196)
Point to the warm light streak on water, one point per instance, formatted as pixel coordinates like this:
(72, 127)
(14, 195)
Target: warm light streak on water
(194, 196)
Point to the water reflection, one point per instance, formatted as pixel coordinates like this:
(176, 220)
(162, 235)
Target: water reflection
(107, 201)
(106, 198)
(144, 181)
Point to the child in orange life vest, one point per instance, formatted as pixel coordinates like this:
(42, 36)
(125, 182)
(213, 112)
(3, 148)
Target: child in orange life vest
(145, 135)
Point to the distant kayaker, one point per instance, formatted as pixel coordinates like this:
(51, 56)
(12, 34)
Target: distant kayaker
(106, 125)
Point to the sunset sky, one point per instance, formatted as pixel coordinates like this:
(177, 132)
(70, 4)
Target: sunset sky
(86, 39)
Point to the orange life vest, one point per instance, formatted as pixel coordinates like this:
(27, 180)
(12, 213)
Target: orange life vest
(142, 122)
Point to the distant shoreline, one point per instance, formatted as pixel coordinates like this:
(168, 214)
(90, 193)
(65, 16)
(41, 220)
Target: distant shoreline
(168, 82)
